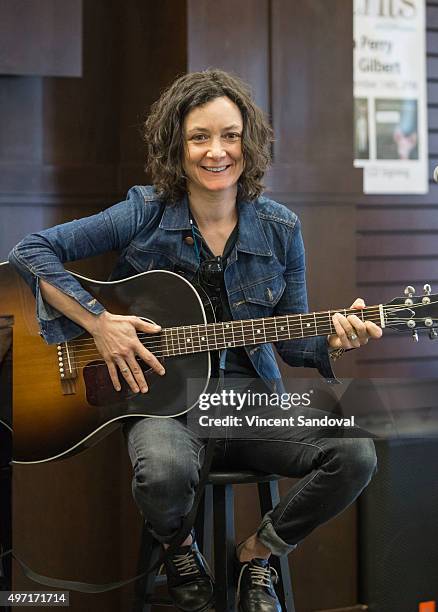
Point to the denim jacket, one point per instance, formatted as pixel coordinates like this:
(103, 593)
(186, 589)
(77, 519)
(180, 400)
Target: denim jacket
(265, 273)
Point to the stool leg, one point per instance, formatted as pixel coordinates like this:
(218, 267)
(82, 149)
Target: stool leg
(268, 498)
(208, 525)
(199, 524)
(224, 547)
(204, 525)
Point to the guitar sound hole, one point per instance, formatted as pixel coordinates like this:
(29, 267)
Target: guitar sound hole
(99, 387)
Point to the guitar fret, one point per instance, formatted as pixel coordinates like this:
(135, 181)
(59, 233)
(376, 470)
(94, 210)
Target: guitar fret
(223, 342)
(169, 333)
(180, 338)
(275, 326)
(227, 341)
(331, 322)
(184, 339)
(190, 340)
(203, 337)
(282, 326)
(215, 330)
(243, 334)
(195, 330)
(174, 347)
(257, 331)
(306, 326)
(177, 340)
(269, 323)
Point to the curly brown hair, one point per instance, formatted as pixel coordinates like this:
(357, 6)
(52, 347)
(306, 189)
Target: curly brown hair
(163, 132)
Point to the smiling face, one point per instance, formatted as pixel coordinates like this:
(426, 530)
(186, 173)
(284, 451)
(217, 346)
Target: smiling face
(213, 158)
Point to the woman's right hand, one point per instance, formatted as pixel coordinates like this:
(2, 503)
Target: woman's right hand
(116, 340)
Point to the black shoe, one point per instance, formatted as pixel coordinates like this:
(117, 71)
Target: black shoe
(255, 591)
(189, 580)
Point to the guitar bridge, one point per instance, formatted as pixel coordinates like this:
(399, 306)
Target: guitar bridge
(67, 368)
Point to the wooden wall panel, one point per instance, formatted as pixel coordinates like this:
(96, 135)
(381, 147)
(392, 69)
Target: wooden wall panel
(153, 53)
(234, 37)
(80, 114)
(21, 101)
(41, 37)
(309, 71)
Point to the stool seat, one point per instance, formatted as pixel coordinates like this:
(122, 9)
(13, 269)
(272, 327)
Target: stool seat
(245, 477)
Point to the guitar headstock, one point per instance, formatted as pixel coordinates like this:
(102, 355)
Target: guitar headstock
(413, 313)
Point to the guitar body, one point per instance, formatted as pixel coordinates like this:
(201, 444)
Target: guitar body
(55, 415)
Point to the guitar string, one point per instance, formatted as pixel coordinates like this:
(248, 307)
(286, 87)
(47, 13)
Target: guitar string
(159, 344)
(304, 318)
(227, 336)
(182, 350)
(172, 345)
(317, 315)
(85, 360)
(179, 334)
(204, 330)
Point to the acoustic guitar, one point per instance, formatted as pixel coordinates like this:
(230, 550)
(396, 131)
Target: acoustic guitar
(63, 397)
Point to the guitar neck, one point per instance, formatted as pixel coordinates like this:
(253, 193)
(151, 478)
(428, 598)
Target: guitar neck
(228, 334)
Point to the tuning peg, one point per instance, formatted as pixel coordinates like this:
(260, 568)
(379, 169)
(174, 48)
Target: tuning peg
(433, 334)
(427, 290)
(409, 291)
(415, 336)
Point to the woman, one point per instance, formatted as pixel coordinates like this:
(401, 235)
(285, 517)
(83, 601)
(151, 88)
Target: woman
(208, 148)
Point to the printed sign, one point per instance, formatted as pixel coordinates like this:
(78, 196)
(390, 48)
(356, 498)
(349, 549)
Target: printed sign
(390, 108)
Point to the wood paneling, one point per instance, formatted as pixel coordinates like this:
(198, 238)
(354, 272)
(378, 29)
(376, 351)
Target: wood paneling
(234, 36)
(309, 71)
(154, 51)
(41, 37)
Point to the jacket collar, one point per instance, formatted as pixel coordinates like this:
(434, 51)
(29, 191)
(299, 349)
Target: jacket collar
(251, 238)
(176, 216)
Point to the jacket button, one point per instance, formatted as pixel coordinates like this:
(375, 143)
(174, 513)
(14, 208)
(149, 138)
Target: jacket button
(189, 240)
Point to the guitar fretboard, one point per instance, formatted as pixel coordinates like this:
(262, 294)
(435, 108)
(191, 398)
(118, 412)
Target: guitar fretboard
(216, 336)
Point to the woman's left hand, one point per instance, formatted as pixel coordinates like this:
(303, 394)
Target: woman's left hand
(351, 331)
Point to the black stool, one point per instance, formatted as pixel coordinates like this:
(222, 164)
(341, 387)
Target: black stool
(216, 515)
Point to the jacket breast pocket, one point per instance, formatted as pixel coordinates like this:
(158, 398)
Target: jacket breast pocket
(265, 293)
(145, 260)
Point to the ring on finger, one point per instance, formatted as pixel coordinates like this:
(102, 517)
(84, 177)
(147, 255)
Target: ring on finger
(352, 336)
(125, 370)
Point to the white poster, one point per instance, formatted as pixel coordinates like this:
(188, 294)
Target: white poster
(390, 117)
